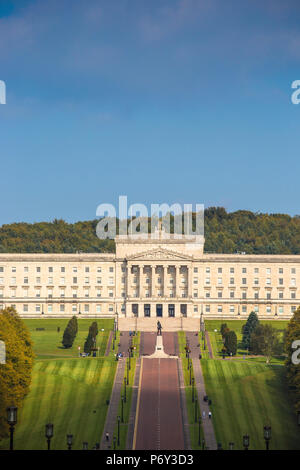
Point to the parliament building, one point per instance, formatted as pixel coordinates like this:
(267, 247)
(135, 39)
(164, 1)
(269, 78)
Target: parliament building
(155, 275)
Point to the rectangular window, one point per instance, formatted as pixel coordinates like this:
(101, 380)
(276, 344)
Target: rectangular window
(98, 308)
(99, 269)
(1, 269)
(50, 308)
(244, 270)
(25, 308)
(220, 309)
(50, 269)
(50, 280)
(86, 280)
(231, 309)
(62, 281)
(244, 280)
(231, 270)
(25, 269)
(293, 281)
(219, 294)
(244, 308)
(207, 308)
(98, 280)
(74, 308)
(232, 280)
(280, 281)
(86, 308)
(74, 269)
(111, 269)
(38, 308)
(219, 280)
(38, 269)
(74, 280)
(61, 308)
(220, 270)
(207, 294)
(62, 269)
(195, 270)
(232, 294)
(87, 269)
(38, 280)
(25, 280)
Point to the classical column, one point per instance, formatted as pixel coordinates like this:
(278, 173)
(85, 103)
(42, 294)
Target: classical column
(189, 280)
(165, 275)
(177, 279)
(142, 281)
(152, 280)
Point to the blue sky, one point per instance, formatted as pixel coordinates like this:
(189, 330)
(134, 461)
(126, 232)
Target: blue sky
(183, 101)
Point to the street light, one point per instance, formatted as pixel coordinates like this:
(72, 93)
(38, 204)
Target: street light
(127, 373)
(114, 441)
(12, 413)
(267, 436)
(122, 409)
(85, 446)
(246, 441)
(193, 390)
(196, 409)
(124, 389)
(49, 433)
(69, 441)
(231, 445)
(190, 375)
(118, 431)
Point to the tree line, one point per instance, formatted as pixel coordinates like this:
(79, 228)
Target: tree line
(15, 374)
(225, 232)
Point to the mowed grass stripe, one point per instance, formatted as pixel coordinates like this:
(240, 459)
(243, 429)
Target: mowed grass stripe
(245, 397)
(70, 393)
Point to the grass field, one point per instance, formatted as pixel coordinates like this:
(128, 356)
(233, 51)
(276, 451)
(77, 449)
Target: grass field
(245, 397)
(67, 390)
(193, 427)
(236, 325)
(47, 344)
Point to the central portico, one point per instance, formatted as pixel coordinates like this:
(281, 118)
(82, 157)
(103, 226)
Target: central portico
(156, 273)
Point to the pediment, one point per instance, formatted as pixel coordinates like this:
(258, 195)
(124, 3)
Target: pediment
(160, 254)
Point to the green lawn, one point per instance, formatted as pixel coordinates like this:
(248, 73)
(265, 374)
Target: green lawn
(129, 390)
(194, 427)
(245, 397)
(47, 344)
(236, 325)
(70, 393)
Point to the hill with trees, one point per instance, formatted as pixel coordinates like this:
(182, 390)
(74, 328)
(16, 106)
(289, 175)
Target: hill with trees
(225, 232)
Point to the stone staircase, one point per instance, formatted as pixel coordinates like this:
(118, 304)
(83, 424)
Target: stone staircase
(150, 324)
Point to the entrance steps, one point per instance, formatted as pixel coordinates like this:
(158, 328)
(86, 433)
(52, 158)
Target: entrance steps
(150, 324)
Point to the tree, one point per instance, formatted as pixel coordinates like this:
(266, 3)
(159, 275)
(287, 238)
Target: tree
(249, 327)
(15, 374)
(265, 340)
(91, 338)
(223, 328)
(230, 342)
(70, 333)
(292, 369)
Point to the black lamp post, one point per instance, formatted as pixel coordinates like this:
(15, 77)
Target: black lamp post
(69, 441)
(267, 436)
(12, 415)
(190, 374)
(49, 433)
(118, 431)
(114, 442)
(231, 445)
(85, 446)
(196, 409)
(124, 389)
(199, 431)
(193, 390)
(122, 409)
(246, 441)
(127, 373)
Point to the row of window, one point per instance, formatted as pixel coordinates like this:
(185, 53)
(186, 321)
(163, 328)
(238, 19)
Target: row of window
(244, 308)
(62, 280)
(62, 269)
(75, 308)
(245, 282)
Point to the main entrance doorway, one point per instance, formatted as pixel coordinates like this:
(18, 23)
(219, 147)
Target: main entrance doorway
(171, 310)
(159, 310)
(147, 310)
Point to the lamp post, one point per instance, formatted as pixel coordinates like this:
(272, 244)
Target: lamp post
(85, 446)
(231, 445)
(49, 434)
(69, 441)
(199, 431)
(196, 409)
(246, 441)
(12, 415)
(190, 374)
(127, 373)
(267, 436)
(118, 431)
(124, 389)
(122, 409)
(114, 442)
(129, 355)
(193, 390)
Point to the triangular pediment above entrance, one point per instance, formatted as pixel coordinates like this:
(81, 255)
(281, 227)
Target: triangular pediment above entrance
(159, 254)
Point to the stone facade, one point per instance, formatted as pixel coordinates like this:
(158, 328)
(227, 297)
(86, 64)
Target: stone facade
(151, 277)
